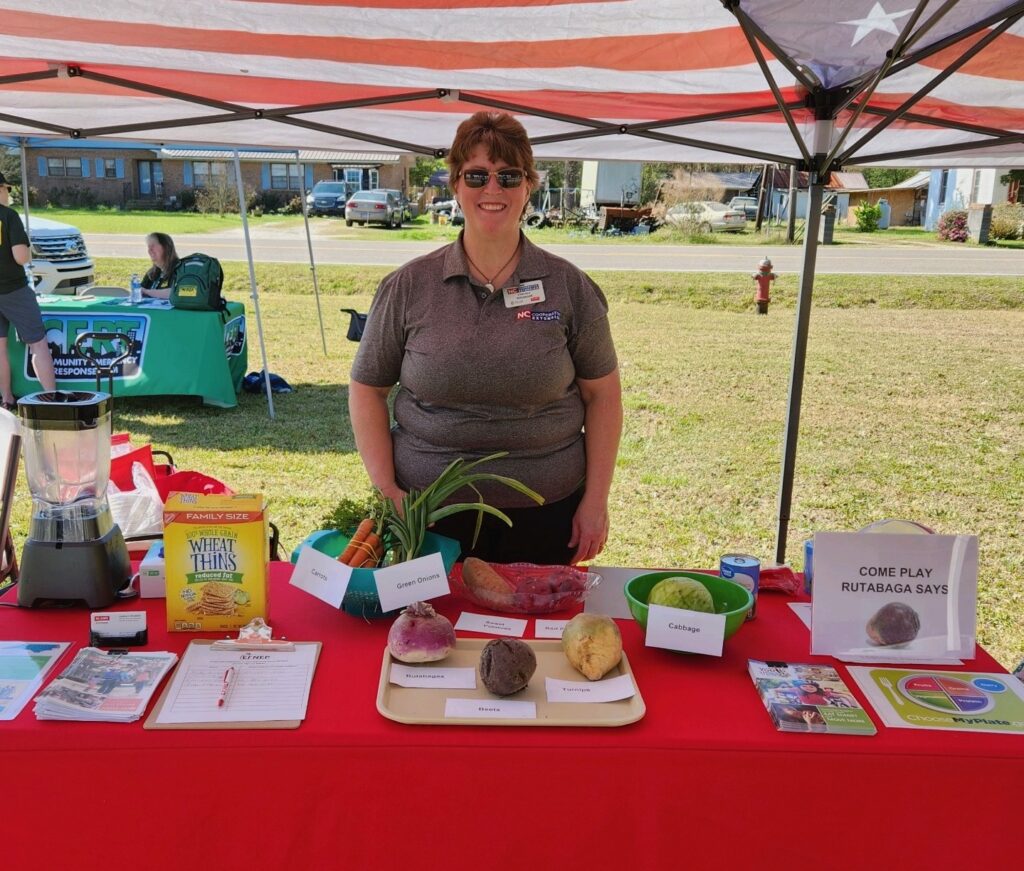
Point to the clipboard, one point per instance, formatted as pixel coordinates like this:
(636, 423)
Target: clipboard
(151, 720)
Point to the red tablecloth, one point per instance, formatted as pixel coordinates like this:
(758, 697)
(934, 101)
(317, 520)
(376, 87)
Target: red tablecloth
(704, 780)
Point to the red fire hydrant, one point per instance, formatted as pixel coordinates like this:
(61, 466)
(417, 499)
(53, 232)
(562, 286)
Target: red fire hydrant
(764, 277)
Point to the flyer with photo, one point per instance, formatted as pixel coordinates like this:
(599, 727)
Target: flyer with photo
(808, 698)
(958, 701)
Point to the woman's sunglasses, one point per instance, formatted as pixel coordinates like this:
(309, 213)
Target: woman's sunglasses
(507, 178)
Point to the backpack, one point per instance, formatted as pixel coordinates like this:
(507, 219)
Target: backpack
(198, 279)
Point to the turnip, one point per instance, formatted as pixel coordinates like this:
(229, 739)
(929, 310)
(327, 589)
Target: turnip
(420, 634)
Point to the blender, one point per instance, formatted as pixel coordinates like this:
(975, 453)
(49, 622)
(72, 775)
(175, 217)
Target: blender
(74, 553)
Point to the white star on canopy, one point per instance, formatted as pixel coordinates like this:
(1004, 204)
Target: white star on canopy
(878, 19)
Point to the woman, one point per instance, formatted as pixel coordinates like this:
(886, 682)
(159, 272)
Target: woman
(496, 345)
(158, 280)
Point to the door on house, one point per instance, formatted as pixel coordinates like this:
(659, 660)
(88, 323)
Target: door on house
(151, 179)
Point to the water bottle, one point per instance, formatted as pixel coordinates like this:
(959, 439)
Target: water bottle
(135, 290)
(30, 279)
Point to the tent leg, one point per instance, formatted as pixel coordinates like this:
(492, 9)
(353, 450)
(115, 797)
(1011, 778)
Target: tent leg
(309, 244)
(796, 373)
(253, 292)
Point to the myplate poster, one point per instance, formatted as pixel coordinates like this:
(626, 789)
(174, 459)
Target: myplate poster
(958, 701)
(894, 598)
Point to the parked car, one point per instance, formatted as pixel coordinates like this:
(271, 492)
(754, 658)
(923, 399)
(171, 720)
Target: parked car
(748, 204)
(410, 209)
(327, 198)
(707, 217)
(60, 261)
(374, 207)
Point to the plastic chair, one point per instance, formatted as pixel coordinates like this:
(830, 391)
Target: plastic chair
(356, 324)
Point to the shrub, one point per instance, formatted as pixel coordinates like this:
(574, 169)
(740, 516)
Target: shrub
(953, 226)
(37, 197)
(187, 200)
(293, 206)
(72, 197)
(867, 216)
(1007, 221)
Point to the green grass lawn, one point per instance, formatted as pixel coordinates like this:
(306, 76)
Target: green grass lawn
(912, 409)
(141, 222)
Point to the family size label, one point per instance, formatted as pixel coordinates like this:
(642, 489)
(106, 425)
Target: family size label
(432, 678)
(609, 690)
(321, 576)
(549, 628)
(678, 629)
(490, 709)
(415, 581)
(526, 293)
(488, 625)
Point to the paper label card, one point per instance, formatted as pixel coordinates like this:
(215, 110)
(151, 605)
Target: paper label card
(321, 576)
(894, 598)
(414, 581)
(549, 628)
(488, 625)
(610, 689)
(432, 677)
(678, 629)
(490, 709)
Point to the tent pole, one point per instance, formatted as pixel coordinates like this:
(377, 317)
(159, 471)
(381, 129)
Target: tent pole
(253, 292)
(24, 185)
(791, 217)
(309, 244)
(796, 373)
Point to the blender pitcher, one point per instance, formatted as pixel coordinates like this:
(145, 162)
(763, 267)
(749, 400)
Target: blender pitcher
(75, 551)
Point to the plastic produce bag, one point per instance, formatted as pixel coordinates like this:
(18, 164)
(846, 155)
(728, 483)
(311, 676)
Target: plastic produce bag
(139, 512)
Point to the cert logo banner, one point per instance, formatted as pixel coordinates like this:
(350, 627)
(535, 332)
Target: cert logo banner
(234, 336)
(62, 330)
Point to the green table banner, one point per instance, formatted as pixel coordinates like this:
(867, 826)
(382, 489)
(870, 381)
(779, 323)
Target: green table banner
(174, 352)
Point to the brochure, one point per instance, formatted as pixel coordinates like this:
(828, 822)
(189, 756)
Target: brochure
(23, 666)
(808, 698)
(881, 598)
(113, 687)
(958, 701)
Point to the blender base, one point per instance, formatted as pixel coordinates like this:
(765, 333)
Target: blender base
(86, 573)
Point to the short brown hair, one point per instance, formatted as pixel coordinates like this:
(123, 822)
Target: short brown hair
(504, 138)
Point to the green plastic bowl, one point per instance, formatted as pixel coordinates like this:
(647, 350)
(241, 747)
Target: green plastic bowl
(730, 598)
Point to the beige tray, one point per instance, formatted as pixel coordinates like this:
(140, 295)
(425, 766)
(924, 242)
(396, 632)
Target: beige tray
(416, 705)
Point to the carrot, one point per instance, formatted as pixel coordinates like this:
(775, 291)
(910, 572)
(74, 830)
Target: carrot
(369, 552)
(365, 528)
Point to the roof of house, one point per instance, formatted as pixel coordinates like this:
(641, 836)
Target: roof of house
(915, 182)
(335, 158)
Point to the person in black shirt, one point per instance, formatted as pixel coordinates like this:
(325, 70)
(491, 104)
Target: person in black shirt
(158, 280)
(18, 304)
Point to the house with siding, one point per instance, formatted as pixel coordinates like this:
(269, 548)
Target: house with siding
(141, 175)
(962, 188)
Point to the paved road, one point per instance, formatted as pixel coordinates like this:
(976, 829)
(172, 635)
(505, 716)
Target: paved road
(288, 245)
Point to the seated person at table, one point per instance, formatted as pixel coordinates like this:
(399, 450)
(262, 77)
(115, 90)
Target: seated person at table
(158, 280)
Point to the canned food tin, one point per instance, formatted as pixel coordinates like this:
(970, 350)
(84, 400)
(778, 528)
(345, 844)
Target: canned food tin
(744, 570)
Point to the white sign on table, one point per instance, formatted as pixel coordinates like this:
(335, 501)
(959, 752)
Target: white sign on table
(490, 709)
(432, 677)
(321, 576)
(549, 628)
(488, 625)
(414, 581)
(610, 689)
(894, 598)
(690, 631)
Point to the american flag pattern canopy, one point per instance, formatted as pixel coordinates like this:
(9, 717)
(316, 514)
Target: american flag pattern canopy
(908, 82)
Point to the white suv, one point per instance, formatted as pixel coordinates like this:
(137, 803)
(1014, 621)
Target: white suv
(60, 261)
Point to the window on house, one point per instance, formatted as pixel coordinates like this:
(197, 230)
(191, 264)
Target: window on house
(73, 167)
(284, 176)
(207, 172)
(976, 187)
(943, 185)
(374, 179)
(109, 167)
(55, 166)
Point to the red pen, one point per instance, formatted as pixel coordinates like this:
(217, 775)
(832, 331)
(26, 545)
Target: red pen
(229, 679)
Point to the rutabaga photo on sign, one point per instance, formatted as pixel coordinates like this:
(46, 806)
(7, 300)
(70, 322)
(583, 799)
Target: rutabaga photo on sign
(894, 598)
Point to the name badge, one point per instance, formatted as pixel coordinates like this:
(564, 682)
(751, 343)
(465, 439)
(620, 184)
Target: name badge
(527, 293)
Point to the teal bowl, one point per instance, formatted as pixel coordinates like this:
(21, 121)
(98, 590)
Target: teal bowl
(730, 598)
(361, 598)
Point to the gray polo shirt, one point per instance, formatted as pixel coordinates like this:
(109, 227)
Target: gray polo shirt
(477, 376)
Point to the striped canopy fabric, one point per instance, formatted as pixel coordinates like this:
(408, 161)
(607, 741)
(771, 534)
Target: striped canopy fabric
(821, 83)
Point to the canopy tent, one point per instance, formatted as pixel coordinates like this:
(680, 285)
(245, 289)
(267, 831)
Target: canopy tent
(817, 85)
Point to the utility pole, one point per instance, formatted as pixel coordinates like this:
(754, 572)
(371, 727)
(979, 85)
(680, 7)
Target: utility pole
(791, 228)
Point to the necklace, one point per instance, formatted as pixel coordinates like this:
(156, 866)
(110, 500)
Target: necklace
(489, 283)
